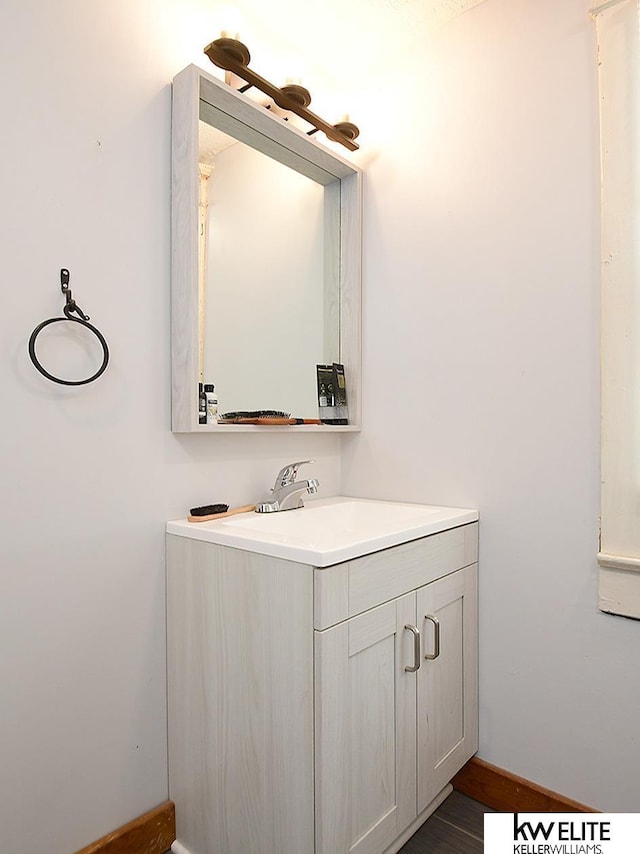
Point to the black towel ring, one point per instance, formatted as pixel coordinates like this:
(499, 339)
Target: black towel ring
(70, 306)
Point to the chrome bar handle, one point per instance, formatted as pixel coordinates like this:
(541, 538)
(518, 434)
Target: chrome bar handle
(436, 637)
(288, 474)
(416, 649)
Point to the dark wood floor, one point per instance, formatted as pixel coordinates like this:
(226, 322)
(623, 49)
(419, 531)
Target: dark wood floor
(456, 827)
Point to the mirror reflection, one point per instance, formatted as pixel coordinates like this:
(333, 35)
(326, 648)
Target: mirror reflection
(269, 275)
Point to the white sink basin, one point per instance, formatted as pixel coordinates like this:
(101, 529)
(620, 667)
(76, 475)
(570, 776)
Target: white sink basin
(326, 531)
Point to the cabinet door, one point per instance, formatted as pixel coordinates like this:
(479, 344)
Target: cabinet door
(365, 730)
(447, 680)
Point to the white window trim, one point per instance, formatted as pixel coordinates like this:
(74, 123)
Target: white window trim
(618, 27)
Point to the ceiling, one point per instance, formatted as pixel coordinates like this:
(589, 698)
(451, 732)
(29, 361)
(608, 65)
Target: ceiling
(212, 141)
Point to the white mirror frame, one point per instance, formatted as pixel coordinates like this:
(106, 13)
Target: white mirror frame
(189, 87)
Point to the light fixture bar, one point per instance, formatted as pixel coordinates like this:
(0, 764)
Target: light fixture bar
(233, 56)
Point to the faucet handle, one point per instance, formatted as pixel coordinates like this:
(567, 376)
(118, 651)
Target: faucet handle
(288, 474)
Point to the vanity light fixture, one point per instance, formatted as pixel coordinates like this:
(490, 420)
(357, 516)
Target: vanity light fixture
(231, 55)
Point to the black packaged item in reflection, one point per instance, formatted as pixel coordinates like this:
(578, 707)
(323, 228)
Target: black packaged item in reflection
(340, 394)
(332, 394)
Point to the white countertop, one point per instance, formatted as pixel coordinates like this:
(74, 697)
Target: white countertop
(327, 530)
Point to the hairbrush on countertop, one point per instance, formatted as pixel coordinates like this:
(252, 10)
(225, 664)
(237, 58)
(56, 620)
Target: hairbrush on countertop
(209, 509)
(200, 516)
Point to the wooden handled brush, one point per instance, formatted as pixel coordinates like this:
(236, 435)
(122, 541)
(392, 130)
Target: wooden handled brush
(263, 416)
(248, 508)
(269, 420)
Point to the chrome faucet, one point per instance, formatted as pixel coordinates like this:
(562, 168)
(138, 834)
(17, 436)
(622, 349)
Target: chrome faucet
(286, 493)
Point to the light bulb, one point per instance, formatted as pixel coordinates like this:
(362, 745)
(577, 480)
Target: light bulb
(231, 21)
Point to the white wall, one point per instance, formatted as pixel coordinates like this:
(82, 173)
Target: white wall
(481, 370)
(90, 475)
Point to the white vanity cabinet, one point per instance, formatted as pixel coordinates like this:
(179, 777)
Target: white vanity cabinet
(396, 689)
(318, 710)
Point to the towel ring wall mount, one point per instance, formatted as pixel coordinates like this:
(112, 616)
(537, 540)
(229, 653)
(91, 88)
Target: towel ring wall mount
(70, 308)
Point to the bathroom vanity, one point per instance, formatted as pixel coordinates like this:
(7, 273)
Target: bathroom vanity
(322, 673)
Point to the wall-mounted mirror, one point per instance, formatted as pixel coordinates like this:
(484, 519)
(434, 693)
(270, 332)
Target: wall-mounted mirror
(266, 244)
